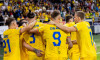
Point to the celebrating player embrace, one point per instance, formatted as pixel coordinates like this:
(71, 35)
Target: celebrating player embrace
(11, 43)
(37, 41)
(84, 36)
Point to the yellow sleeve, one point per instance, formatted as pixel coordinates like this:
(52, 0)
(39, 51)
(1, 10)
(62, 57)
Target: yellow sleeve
(78, 26)
(17, 31)
(41, 29)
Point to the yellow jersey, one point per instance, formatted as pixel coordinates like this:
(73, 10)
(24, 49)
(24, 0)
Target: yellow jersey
(55, 41)
(73, 34)
(11, 44)
(34, 40)
(85, 39)
(23, 50)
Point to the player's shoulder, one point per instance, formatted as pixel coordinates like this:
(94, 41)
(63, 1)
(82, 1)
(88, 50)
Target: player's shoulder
(87, 23)
(10, 31)
(66, 25)
(39, 23)
(80, 23)
(72, 23)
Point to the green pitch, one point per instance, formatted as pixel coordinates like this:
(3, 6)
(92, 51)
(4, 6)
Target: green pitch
(96, 39)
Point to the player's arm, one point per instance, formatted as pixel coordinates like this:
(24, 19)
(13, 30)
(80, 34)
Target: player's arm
(74, 41)
(70, 44)
(38, 52)
(30, 26)
(35, 30)
(64, 28)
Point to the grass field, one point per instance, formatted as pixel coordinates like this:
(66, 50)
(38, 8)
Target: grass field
(96, 39)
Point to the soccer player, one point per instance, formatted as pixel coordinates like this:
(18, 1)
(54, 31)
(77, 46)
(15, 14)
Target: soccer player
(56, 47)
(11, 43)
(74, 52)
(34, 40)
(84, 36)
(23, 51)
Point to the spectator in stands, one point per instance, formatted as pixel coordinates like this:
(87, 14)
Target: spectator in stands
(6, 3)
(5, 17)
(1, 19)
(1, 41)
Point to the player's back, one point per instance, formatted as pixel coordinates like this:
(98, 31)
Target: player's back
(85, 39)
(55, 41)
(34, 40)
(11, 44)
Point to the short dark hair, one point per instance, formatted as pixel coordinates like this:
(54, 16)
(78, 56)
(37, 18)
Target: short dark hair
(31, 15)
(55, 13)
(68, 18)
(80, 14)
(9, 20)
(20, 22)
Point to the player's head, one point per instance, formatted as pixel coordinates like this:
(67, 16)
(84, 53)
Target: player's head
(31, 16)
(56, 16)
(69, 19)
(22, 22)
(79, 16)
(11, 22)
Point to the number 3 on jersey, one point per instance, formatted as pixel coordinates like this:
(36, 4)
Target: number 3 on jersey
(33, 39)
(6, 44)
(57, 38)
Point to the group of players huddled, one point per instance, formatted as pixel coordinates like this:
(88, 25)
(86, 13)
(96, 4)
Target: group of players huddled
(34, 40)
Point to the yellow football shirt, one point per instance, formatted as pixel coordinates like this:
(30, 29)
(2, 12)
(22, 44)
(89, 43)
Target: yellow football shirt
(55, 41)
(73, 34)
(34, 40)
(11, 44)
(23, 50)
(73, 53)
(46, 18)
(85, 40)
(9, 7)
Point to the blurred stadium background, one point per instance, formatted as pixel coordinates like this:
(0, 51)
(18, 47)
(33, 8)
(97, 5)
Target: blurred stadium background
(43, 8)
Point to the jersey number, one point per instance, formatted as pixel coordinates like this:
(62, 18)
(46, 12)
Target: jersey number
(91, 38)
(8, 44)
(33, 39)
(57, 38)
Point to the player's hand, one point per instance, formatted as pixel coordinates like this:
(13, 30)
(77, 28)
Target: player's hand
(74, 42)
(52, 23)
(38, 52)
(70, 46)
